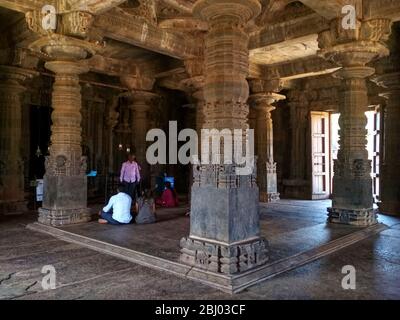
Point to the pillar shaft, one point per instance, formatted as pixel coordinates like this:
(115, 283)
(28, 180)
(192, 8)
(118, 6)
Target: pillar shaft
(140, 106)
(11, 164)
(352, 182)
(266, 166)
(111, 122)
(65, 182)
(224, 230)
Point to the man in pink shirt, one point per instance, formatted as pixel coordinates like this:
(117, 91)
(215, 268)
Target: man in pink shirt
(130, 176)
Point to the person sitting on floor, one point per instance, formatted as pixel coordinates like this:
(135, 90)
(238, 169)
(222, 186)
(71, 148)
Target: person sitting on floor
(146, 209)
(118, 209)
(169, 198)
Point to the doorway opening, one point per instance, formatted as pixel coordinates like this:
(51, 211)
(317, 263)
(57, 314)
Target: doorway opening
(325, 146)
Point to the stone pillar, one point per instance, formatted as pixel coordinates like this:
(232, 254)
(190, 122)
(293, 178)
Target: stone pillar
(352, 184)
(199, 96)
(111, 122)
(299, 111)
(140, 105)
(388, 77)
(224, 225)
(65, 182)
(266, 166)
(390, 169)
(11, 164)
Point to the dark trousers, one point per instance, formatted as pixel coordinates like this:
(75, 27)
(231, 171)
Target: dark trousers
(108, 216)
(130, 188)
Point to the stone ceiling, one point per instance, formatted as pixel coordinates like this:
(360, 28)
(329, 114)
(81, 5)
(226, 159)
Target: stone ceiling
(282, 38)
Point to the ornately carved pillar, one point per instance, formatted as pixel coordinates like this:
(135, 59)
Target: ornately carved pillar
(140, 105)
(65, 182)
(11, 164)
(266, 166)
(111, 122)
(352, 184)
(390, 175)
(224, 223)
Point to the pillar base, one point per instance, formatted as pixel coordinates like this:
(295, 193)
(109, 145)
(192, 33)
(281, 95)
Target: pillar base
(13, 207)
(356, 217)
(62, 217)
(269, 197)
(223, 258)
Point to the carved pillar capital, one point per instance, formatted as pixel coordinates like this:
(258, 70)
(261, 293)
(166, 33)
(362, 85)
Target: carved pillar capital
(355, 48)
(265, 101)
(138, 82)
(74, 23)
(146, 11)
(240, 11)
(390, 82)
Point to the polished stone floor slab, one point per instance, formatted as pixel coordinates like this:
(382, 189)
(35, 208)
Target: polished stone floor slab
(86, 274)
(157, 245)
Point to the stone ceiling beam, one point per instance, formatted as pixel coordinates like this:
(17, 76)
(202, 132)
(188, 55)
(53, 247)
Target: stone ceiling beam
(329, 9)
(289, 30)
(302, 68)
(180, 5)
(23, 6)
(381, 8)
(110, 66)
(92, 6)
(143, 35)
(95, 6)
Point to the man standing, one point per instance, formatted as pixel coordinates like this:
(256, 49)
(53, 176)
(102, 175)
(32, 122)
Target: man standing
(130, 176)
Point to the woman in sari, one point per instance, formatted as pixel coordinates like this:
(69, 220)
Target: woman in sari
(168, 198)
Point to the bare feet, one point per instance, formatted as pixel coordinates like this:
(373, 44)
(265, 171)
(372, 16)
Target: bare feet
(102, 221)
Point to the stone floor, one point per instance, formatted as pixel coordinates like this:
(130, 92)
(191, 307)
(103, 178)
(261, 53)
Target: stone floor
(291, 227)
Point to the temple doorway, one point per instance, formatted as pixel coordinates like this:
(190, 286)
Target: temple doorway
(373, 146)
